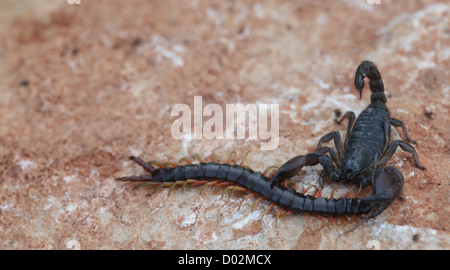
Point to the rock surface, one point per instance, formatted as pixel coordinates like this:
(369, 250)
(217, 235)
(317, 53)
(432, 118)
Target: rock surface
(85, 86)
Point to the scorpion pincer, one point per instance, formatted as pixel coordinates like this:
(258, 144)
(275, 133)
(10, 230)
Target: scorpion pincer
(366, 149)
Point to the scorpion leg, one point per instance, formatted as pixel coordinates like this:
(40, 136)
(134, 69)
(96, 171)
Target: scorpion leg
(337, 141)
(333, 156)
(324, 150)
(351, 118)
(405, 147)
(399, 123)
(294, 165)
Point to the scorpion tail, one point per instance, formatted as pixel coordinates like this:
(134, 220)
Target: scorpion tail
(369, 69)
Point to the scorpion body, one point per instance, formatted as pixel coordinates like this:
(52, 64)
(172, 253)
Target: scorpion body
(367, 148)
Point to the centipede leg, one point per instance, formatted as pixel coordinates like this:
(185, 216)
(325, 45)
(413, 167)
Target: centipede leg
(174, 184)
(354, 219)
(238, 188)
(211, 183)
(230, 159)
(243, 159)
(247, 197)
(197, 156)
(256, 202)
(344, 221)
(323, 220)
(157, 164)
(347, 194)
(267, 210)
(268, 169)
(185, 160)
(234, 188)
(308, 221)
(170, 164)
(225, 184)
(281, 214)
(186, 183)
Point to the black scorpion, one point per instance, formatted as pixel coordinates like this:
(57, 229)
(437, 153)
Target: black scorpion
(367, 148)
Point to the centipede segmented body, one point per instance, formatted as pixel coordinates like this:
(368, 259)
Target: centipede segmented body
(253, 181)
(367, 148)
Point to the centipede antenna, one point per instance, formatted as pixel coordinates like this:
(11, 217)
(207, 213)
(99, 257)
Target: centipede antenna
(135, 178)
(148, 167)
(148, 184)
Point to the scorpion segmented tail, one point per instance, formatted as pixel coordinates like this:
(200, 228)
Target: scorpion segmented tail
(253, 181)
(369, 69)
